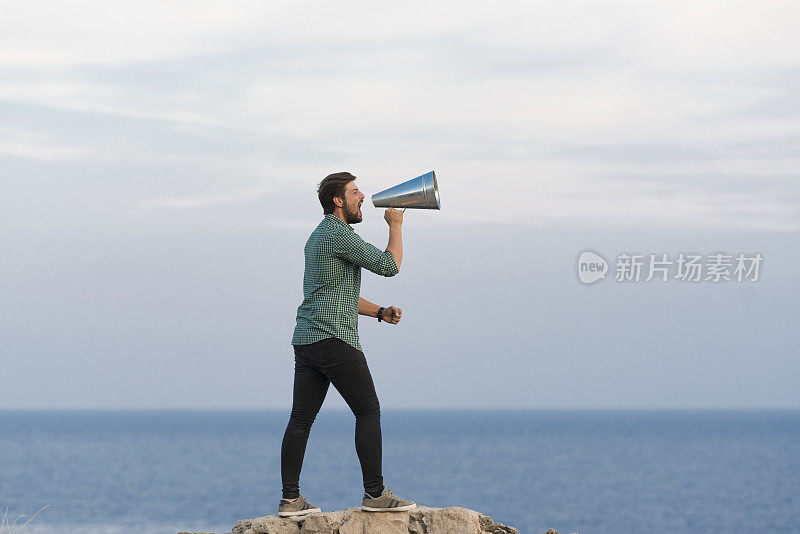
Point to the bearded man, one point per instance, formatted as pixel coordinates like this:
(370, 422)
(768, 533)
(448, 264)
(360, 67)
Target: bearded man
(326, 346)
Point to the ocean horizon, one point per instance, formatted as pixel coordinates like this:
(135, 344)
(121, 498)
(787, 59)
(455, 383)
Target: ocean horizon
(585, 471)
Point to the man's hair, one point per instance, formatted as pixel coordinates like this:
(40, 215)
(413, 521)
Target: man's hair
(333, 186)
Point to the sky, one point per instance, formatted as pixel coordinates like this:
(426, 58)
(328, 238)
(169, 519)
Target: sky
(158, 171)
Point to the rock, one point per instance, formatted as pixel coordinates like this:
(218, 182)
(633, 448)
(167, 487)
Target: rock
(421, 520)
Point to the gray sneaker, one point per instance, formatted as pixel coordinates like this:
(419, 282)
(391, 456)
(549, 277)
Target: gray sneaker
(387, 502)
(298, 507)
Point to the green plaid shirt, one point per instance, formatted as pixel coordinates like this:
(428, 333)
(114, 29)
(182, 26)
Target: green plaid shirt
(335, 255)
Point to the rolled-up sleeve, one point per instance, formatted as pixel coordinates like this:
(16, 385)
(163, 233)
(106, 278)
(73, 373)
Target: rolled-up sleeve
(350, 247)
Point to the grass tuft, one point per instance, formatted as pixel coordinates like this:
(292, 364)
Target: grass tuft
(6, 528)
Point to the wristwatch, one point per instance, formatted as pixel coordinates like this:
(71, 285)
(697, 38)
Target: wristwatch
(380, 314)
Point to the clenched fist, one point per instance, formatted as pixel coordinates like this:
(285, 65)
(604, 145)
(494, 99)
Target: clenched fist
(392, 314)
(393, 216)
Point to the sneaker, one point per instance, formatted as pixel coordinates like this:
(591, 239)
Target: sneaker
(387, 502)
(296, 507)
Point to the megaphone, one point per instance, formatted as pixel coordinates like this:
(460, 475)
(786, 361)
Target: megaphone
(421, 192)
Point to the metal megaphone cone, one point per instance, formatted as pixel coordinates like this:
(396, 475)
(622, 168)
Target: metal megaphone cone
(422, 192)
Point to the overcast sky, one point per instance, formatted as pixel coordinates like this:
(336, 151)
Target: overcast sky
(158, 165)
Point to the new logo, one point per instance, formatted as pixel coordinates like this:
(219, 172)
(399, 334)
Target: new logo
(591, 267)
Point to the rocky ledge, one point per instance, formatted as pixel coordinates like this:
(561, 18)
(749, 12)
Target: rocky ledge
(421, 520)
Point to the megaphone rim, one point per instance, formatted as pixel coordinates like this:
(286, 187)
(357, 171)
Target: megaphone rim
(436, 190)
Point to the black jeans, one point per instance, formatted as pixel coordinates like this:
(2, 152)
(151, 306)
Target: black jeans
(316, 366)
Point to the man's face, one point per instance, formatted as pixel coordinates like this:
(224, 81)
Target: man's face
(351, 209)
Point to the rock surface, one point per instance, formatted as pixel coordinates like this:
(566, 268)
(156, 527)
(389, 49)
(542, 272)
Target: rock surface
(422, 520)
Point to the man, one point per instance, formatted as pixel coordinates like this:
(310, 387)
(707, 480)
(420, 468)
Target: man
(326, 346)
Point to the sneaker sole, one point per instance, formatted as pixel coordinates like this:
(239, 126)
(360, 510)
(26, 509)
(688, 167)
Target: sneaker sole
(299, 512)
(396, 509)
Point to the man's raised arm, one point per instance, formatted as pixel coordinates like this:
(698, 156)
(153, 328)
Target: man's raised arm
(394, 218)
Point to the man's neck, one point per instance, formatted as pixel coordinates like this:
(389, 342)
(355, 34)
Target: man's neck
(340, 214)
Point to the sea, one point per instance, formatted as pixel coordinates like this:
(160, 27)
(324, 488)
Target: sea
(583, 471)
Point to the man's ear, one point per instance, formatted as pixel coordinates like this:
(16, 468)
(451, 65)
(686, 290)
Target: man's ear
(338, 201)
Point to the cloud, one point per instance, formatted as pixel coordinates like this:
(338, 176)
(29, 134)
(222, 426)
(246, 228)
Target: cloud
(25, 143)
(559, 103)
(225, 198)
(291, 224)
(635, 153)
(45, 33)
(44, 152)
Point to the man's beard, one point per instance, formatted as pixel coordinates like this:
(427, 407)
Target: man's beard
(351, 215)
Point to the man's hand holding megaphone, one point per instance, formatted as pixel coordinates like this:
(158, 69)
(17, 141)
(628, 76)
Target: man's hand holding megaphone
(393, 216)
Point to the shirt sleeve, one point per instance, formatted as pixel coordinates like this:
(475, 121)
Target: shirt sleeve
(350, 247)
